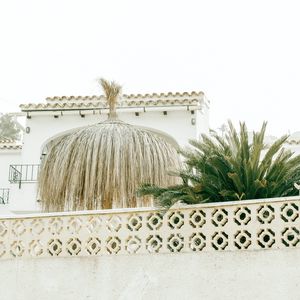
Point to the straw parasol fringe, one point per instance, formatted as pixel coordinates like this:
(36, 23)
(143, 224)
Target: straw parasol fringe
(101, 166)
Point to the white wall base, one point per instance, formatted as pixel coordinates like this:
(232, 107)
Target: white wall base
(264, 274)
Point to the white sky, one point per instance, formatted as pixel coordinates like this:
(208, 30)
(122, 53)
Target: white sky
(245, 55)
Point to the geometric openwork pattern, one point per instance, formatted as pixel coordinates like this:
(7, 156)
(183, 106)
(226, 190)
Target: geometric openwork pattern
(54, 247)
(17, 248)
(55, 226)
(242, 239)
(36, 248)
(93, 245)
(266, 238)
(175, 219)
(74, 246)
(289, 212)
(220, 240)
(175, 242)
(113, 245)
(154, 243)
(74, 225)
(290, 236)
(133, 244)
(154, 221)
(18, 228)
(37, 226)
(241, 226)
(197, 241)
(3, 229)
(242, 215)
(197, 218)
(265, 214)
(134, 222)
(114, 224)
(94, 224)
(219, 217)
(2, 249)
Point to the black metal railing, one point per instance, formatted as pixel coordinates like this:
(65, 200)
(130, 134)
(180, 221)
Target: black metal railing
(4, 196)
(23, 173)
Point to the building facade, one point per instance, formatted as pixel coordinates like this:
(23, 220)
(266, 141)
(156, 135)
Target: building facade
(176, 117)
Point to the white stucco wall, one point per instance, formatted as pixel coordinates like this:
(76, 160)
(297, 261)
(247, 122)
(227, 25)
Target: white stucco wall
(202, 120)
(178, 124)
(265, 274)
(43, 126)
(23, 199)
(230, 250)
(7, 157)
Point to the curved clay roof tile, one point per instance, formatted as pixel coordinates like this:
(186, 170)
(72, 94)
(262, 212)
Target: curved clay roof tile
(10, 147)
(153, 99)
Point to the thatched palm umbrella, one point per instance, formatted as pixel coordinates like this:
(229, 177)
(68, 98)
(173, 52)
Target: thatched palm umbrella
(102, 165)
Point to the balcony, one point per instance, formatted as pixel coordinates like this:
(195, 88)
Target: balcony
(23, 173)
(4, 196)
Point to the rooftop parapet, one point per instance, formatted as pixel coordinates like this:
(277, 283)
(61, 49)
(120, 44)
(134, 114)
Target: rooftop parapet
(127, 101)
(9, 144)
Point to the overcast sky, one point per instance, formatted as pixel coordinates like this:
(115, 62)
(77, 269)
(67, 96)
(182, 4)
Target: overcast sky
(244, 55)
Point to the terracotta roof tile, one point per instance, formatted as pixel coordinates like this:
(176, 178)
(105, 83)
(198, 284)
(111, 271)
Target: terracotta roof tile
(4, 140)
(9, 144)
(10, 147)
(138, 100)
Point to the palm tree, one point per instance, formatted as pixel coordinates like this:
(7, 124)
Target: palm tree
(231, 168)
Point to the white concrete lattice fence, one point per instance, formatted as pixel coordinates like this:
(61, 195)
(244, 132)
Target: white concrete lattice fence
(233, 226)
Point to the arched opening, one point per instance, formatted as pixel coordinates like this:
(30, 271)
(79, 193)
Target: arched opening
(47, 144)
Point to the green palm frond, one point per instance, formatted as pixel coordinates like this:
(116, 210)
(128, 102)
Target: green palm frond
(232, 168)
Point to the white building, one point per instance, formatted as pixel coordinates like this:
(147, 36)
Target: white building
(229, 250)
(177, 117)
(10, 152)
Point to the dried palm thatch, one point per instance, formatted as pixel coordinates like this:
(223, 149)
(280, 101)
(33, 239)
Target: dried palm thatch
(112, 92)
(101, 166)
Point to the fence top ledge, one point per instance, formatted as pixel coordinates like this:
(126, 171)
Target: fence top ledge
(178, 206)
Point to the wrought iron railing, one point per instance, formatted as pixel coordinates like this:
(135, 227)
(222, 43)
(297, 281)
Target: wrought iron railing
(4, 196)
(23, 173)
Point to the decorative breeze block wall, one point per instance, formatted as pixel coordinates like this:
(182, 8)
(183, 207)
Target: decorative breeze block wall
(234, 226)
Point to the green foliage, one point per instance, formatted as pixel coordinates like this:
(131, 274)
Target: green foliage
(231, 168)
(9, 128)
